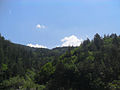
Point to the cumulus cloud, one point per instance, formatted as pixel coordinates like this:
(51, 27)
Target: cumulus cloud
(71, 41)
(36, 46)
(38, 26)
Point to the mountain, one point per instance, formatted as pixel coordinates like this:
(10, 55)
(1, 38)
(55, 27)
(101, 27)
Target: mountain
(16, 59)
(94, 65)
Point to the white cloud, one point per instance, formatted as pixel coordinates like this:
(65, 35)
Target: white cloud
(40, 26)
(36, 46)
(71, 41)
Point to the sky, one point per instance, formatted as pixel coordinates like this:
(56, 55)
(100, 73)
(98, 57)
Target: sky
(53, 23)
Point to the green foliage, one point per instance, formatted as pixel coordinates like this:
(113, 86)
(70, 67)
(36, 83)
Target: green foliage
(114, 85)
(48, 68)
(45, 73)
(94, 65)
(30, 75)
(20, 83)
(4, 67)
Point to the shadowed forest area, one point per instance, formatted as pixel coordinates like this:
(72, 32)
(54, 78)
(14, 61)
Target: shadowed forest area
(94, 65)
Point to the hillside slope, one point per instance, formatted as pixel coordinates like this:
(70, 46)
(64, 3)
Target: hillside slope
(94, 65)
(17, 60)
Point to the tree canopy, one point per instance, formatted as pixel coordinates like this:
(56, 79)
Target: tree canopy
(94, 65)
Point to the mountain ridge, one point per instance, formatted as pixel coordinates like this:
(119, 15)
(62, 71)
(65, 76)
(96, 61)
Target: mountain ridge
(94, 65)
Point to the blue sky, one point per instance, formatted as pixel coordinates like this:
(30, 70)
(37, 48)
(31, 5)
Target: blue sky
(54, 23)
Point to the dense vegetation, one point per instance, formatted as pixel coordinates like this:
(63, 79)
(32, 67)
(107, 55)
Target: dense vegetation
(94, 65)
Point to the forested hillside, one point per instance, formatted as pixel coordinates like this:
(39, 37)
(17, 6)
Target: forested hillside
(94, 65)
(19, 64)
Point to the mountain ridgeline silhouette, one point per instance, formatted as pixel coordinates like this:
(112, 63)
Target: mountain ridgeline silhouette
(94, 65)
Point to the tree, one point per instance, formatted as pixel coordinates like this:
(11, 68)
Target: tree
(98, 41)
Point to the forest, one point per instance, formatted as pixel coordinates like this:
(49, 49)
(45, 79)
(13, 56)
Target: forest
(94, 65)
